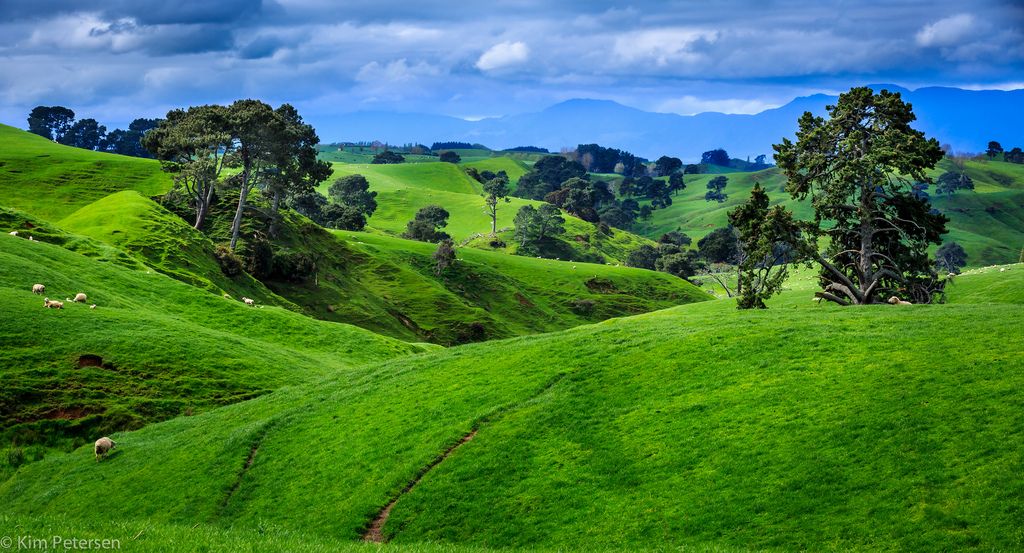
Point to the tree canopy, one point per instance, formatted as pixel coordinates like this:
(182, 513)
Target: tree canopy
(858, 167)
(426, 223)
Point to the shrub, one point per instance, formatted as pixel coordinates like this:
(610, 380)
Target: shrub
(294, 266)
(259, 257)
(230, 264)
(582, 306)
(497, 243)
(15, 457)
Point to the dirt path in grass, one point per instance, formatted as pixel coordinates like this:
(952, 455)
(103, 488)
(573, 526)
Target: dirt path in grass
(375, 532)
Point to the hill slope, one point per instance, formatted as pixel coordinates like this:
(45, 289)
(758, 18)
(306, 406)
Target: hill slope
(152, 349)
(697, 426)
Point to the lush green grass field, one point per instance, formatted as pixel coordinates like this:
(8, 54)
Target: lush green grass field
(799, 428)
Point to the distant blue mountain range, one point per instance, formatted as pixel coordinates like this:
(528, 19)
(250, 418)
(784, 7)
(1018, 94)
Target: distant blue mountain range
(966, 119)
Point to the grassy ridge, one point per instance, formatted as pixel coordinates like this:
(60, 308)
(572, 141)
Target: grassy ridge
(695, 426)
(51, 181)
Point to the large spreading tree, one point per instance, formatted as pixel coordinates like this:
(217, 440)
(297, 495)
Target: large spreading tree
(858, 167)
(192, 145)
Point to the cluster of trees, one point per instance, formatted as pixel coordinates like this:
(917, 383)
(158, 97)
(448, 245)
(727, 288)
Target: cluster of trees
(566, 183)
(58, 123)
(437, 146)
(388, 157)
(721, 158)
(598, 159)
(527, 149)
(271, 149)
(534, 226)
(1015, 155)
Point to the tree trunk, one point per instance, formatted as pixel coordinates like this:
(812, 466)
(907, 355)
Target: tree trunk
(236, 224)
(867, 232)
(494, 223)
(203, 202)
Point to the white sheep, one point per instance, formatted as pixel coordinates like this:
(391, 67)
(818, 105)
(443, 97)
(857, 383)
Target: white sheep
(38, 289)
(80, 297)
(13, 233)
(103, 446)
(93, 306)
(896, 301)
(54, 304)
(248, 301)
(31, 238)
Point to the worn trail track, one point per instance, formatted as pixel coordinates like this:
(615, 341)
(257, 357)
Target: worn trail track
(375, 531)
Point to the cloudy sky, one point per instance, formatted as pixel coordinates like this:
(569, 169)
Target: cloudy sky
(120, 59)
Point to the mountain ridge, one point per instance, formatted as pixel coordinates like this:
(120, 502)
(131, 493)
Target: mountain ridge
(948, 114)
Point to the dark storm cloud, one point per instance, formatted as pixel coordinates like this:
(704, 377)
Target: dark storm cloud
(120, 58)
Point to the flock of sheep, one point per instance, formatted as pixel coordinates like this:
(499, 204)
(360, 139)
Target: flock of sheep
(55, 304)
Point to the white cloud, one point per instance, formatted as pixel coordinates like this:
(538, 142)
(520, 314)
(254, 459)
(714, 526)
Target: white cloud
(690, 105)
(398, 71)
(661, 46)
(946, 32)
(503, 54)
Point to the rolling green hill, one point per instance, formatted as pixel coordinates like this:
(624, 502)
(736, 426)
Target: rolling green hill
(698, 426)
(51, 181)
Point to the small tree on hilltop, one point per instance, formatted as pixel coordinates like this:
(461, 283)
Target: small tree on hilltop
(450, 157)
(715, 187)
(994, 149)
(667, 165)
(495, 190)
(425, 224)
(444, 256)
(764, 235)
(858, 168)
(950, 257)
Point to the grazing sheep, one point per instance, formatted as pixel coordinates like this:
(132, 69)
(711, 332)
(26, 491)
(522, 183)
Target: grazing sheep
(93, 306)
(13, 233)
(103, 446)
(896, 301)
(31, 238)
(248, 301)
(80, 297)
(47, 303)
(38, 289)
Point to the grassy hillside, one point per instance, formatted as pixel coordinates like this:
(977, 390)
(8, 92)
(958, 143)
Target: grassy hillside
(988, 222)
(698, 426)
(404, 188)
(163, 348)
(163, 241)
(51, 181)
